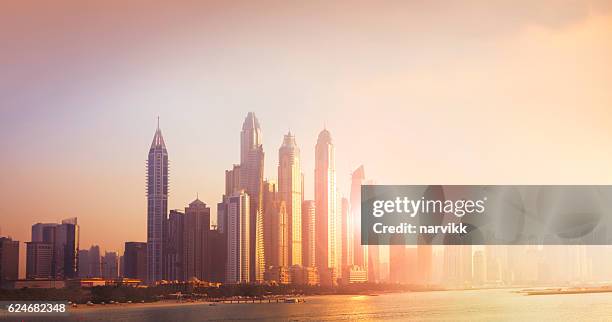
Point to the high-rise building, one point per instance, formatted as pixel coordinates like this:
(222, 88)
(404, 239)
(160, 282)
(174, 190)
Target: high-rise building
(9, 260)
(84, 263)
(135, 260)
(360, 252)
(95, 268)
(290, 190)
(347, 235)
(424, 264)
(232, 185)
(308, 233)
(66, 248)
(157, 205)
(218, 254)
(174, 246)
(110, 265)
(196, 230)
(64, 241)
(479, 269)
(397, 262)
(276, 227)
(373, 259)
(238, 239)
(121, 266)
(451, 274)
(326, 256)
(39, 260)
(251, 180)
(232, 180)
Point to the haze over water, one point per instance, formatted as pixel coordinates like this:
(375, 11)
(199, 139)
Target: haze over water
(476, 305)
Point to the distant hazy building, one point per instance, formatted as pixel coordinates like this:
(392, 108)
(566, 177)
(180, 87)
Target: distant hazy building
(347, 234)
(251, 180)
(9, 260)
(458, 265)
(64, 241)
(174, 246)
(84, 263)
(479, 268)
(276, 227)
(354, 274)
(110, 265)
(39, 260)
(157, 205)
(308, 233)
(360, 252)
(424, 264)
(238, 238)
(373, 267)
(195, 243)
(95, 264)
(135, 260)
(493, 256)
(397, 259)
(232, 185)
(89, 262)
(326, 256)
(290, 190)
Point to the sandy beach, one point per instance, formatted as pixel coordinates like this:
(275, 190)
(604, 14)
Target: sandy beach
(164, 303)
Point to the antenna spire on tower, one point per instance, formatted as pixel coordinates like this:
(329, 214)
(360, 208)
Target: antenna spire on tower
(158, 122)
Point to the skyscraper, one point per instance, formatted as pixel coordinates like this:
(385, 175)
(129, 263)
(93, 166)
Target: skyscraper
(276, 227)
(9, 259)
(174, 246)
(238, 239)
(308, 233)
(360, 252)
(110, 265)
(325, 207)
(84, 263)
(196, 231)
(94, 261)
(157, 205)
(39, 260)
(66, 248)
(251, 180)
(290, 190)
(347, 235)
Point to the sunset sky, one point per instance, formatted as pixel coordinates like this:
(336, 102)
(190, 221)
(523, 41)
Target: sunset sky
(421, 92)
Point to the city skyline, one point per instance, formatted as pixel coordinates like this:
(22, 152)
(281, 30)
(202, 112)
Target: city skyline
(54, 247)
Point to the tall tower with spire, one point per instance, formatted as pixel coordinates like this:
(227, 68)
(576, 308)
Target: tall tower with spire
(290, 190)
(157, 205)
(251, 180)
(326, 255)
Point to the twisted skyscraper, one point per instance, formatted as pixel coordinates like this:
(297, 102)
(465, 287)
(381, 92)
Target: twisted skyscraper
(157, 205)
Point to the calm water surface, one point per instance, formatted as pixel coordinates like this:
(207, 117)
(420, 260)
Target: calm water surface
(480, 305)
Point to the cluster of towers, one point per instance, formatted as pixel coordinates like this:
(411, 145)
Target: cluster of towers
(265, 230)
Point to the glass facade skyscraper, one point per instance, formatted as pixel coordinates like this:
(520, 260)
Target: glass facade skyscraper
(157, 205)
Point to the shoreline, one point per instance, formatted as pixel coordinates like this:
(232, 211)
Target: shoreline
(162, 303)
